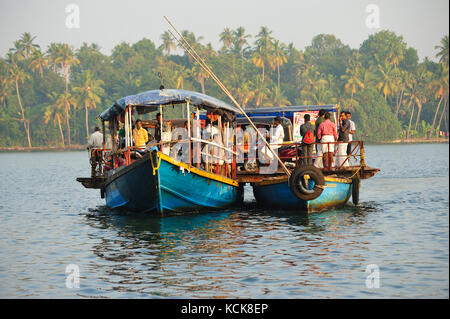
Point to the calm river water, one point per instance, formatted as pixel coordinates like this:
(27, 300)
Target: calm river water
(49, 221)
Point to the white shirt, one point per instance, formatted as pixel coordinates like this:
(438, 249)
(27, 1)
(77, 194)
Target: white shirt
(352, 128)
(96, 140)
(212, 130)
(278, 136)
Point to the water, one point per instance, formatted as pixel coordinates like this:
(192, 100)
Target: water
(49, 221)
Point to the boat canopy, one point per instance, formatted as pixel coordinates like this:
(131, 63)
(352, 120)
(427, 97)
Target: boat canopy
(263, 120)
(287, 111)
(151, 100)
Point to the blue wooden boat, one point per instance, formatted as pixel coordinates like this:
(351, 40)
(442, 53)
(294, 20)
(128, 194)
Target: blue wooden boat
(156, 182)
(277, 194)
(153, 181)
(308, 188)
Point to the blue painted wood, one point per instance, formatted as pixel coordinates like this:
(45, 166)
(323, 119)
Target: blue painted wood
(280, 196)
(170, 189)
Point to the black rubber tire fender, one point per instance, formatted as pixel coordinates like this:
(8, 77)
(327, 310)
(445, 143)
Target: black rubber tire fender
(297, 187)
(355, 190)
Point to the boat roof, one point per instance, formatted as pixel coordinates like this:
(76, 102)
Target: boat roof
(151, 100)
(264, 120)
(287, 111)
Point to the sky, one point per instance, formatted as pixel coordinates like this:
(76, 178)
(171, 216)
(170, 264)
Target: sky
(422, 23)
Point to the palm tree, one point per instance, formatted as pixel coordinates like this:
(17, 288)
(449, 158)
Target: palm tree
(279, 57)
(167, 43)
(19, 75)
(261, 91)
(27, 44)
(88, 94)
(53, 53)
(386, 83)
(240, 40)
(4, 90)
(278, 98)
(38, 62)
(413, 98)
(226, 37)
(352, 79)
(200, 76)
(443, 50)
(440, 88)
(65, 101)
(66, 58)
(263, 56)
(55, 111)
(244, 93)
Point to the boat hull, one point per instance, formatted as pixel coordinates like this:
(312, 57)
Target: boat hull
(278, 195)
(163, 184)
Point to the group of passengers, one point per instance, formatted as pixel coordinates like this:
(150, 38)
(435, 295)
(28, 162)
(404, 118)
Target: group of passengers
(326, 134)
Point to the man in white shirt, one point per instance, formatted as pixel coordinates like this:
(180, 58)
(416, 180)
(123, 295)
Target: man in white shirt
(351, 132)
(95, 142)
(276, 140)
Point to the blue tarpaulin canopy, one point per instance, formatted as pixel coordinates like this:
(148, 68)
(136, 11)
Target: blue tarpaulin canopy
(151, 100)
(287, 111)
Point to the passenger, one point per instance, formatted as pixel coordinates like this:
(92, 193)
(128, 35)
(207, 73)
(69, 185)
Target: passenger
(276, 140)
(94, 145)
(352, 131)
(210, 130)
(140, 135)
(158, 128)
(307, 131)
(344, 129)
(327, 134)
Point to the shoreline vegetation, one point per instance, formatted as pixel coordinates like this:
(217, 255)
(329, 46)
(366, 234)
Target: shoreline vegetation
(52, 96)
(83, 147)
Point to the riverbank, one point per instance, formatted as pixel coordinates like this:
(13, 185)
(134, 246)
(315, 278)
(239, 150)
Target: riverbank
(43, 148)
(414, 141)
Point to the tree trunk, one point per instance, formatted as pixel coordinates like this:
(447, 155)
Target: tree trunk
(263, 72)
(410, 121)
(68, 124)
(440, 119)
(419, 110)
(61, 131)
(278, 68)
(435, 117)
(26, 124)
(398, 105)
(87, 121)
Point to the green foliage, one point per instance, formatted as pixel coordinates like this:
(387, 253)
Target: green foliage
(56, 93)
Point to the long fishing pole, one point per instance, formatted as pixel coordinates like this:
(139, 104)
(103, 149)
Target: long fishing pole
(203, 64)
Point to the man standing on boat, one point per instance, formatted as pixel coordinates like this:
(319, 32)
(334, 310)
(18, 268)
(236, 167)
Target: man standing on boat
(276, 140)
(344, 130)
(327, 134)
(352, 131)
(307, 131)
(95, 145)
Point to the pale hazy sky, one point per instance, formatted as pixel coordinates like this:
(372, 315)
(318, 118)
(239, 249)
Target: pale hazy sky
(422, 23)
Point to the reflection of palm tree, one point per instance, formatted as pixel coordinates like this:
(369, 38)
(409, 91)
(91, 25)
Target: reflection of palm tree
(88, 94)
(55, 111)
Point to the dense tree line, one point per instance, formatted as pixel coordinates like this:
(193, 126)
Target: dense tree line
(52, 97)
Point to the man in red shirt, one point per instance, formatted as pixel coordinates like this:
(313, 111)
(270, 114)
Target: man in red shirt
(327, 133)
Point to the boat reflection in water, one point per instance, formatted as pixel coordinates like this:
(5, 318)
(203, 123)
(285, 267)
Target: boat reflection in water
(226, 254)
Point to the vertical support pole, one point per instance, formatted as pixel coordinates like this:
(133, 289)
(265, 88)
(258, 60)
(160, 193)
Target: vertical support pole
(161, 121)
(188, 113)
(103, 151)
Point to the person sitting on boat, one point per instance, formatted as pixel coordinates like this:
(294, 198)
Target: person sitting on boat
(307, 131)
(343, 138)
(140, 136)
(95, 144)
(327, 134)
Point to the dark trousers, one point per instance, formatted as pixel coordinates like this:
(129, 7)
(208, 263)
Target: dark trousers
(307, 150)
